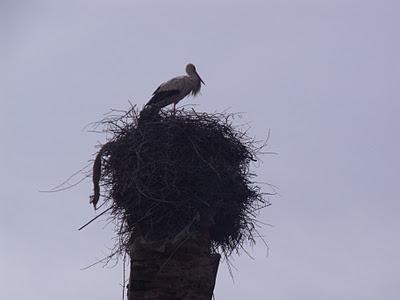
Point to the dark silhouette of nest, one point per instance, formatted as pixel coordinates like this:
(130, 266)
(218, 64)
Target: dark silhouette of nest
(167, 175)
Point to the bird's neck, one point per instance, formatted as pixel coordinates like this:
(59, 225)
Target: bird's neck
(193, 75)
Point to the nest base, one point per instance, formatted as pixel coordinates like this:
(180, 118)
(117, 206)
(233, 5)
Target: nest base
(184, 270)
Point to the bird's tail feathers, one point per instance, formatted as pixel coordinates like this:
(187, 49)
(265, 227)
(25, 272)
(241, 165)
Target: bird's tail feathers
(159, 98)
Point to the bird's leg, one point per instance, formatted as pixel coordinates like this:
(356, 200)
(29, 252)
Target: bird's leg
(174, 109)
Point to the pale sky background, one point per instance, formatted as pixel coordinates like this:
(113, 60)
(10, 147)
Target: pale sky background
(323, 75)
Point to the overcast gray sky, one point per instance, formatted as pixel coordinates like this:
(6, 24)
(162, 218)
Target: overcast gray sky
(323, 75)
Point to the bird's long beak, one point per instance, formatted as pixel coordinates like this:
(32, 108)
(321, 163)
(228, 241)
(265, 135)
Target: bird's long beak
(201, 80)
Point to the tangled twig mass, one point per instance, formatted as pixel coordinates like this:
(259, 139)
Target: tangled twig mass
(170, 174)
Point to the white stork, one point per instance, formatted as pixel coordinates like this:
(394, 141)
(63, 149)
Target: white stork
(175, 89)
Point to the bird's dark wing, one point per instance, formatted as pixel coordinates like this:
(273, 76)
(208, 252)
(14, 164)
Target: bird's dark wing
(159, 96)
(157, 90)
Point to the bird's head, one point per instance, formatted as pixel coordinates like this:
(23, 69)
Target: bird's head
(191, 71)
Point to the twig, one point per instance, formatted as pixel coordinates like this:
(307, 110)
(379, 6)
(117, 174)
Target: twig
(96, 217)
(67, 187)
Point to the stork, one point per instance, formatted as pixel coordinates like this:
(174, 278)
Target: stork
(175, 89)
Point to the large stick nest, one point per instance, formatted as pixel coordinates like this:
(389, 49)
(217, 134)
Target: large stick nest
(172, 174)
